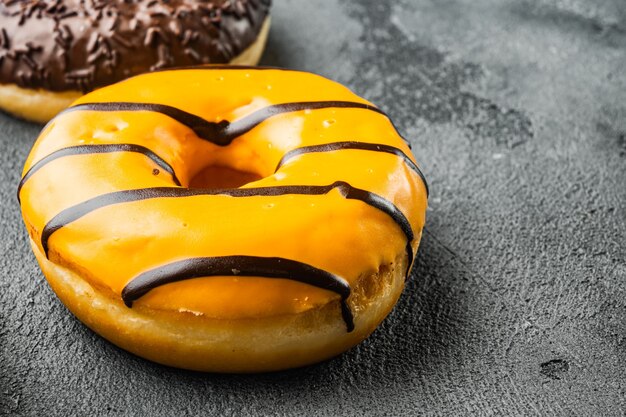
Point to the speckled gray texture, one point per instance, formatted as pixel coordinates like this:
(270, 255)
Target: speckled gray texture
(516, 110)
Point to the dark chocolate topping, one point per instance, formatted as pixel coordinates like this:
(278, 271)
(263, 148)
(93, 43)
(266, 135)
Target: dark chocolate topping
(64, 45)
(224, 132)
(95, 149)
(240, 266)
(74, 213)
(247, 67)
(363, 146)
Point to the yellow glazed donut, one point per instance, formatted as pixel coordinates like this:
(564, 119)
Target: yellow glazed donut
(225, 219)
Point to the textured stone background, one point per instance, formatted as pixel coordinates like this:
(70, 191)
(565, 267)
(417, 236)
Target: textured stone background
(517, 113)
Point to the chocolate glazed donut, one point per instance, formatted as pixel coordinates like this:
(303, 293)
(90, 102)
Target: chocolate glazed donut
(63, 48)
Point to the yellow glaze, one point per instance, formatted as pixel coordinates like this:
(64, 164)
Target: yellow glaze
(112, 245)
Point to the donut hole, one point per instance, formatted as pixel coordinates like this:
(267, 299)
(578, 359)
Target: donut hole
(213, 177)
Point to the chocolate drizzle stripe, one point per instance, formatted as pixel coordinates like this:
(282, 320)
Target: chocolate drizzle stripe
(214, 67)
(98, 149)
(224, 132)
(74, 213)
(240, 266)
(364, 146)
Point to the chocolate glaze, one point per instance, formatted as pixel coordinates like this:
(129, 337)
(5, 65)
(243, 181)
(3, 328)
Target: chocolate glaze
(224, 132)
(364, 146)
(240, 266)
(74, 213)
(64, 45)
(96, 149)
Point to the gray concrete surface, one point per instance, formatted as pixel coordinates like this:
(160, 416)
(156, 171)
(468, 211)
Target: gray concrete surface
(517, 112)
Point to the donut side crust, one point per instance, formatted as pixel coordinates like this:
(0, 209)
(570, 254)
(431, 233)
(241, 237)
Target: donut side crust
(185, 340)
(40, 105)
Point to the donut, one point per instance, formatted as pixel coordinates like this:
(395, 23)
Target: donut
(52, 52)
(225, 219)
